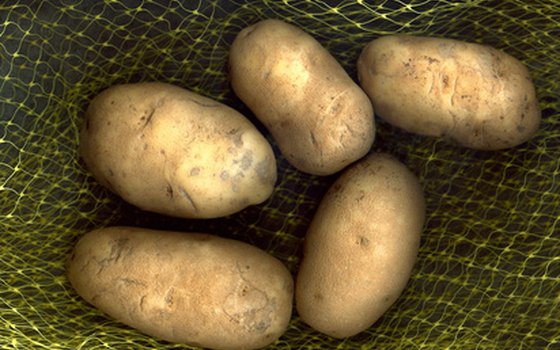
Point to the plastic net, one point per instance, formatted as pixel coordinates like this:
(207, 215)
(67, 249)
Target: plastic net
(488, 272)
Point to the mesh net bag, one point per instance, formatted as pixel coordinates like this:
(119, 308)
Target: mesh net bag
(488, 271)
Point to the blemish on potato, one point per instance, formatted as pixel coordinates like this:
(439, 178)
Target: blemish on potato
(247, 160)
(148, 120)
(118, 248)
(131, 281)
(318, 296)
(431, 60)
(195, 171)
(169, 297)
(141, 303)
(362, 241)
(249, 307)
(361, 196)
(169, 191)
(188, 197)
(236, 135)
(265, 176)
(206, 104)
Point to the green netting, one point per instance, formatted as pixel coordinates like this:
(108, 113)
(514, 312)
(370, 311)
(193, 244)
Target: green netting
(488, 272)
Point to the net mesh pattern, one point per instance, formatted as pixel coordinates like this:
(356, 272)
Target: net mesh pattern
(488, 271)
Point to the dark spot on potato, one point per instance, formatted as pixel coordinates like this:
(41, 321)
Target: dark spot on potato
(235, 135)
(145, 146)
(262, 169)
(169, 297)
(169, 191)
(431, 60)
(361, 196)
(112, 102)
(118, 248)
(266, 75)
(149, 119)
(111, 172)
(336, 187)
(521, 129)
(131, 281)
(247, 160)
(162, 151)
(195, 171)
(318, 296)
(108, 123)
(445, 80)
(362, 241)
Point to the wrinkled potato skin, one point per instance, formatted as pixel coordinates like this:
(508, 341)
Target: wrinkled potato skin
(168, 150)
(319, 117)
(196, 289)
(475, 95)
(361, 247)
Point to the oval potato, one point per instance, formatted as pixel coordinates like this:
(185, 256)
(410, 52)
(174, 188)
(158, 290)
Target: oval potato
(360, 247)
(196, 289)
(320, 118)
(169, 150)
(478, 96)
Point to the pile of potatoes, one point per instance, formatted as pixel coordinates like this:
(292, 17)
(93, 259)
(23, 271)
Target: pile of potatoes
(168, 150)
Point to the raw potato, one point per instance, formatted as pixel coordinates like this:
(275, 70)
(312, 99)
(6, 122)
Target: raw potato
(169, 150)
(361, 247)
(320, 118)
(196, 289)
(480, 97)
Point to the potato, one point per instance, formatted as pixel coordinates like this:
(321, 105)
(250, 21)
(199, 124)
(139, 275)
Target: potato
(319, 117)
(361, 246)
(190, 288)
(474, 95)
(169, 150)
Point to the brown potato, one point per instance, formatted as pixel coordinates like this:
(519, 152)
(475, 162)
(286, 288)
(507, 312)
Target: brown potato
(169, 150)
(361, 246)
(320, 118)
(193, 288)
(475, 95)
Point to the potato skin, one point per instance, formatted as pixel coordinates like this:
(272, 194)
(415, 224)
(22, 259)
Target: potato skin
(319, 117)
(169, 150)
(475, 95)
(361, 246)
(190, 288)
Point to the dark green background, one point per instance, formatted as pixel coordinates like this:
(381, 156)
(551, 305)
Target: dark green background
(488, 271)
